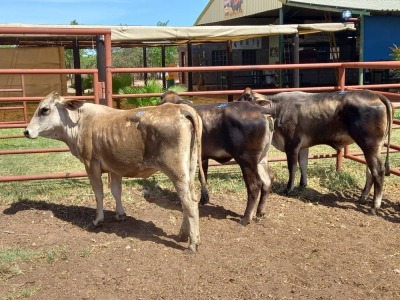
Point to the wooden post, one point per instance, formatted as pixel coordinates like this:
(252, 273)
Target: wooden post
(229, 75)
(77, 65)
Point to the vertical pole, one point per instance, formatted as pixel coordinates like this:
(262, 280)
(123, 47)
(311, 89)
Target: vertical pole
(340, 153)
(229, 75)
(24, 95)
(101, 65)
(77, 65)
(296, 60)
(145, 64)
(108, 89)
(164, 81)
(96, 89)
(281, 48)
(190, 64)
(342, 78)
(183, 64)
(361, 70)
(339, 160)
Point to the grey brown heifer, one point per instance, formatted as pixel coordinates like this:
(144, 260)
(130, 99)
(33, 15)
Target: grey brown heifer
(336, 119)
(128, 143)
(241, 131)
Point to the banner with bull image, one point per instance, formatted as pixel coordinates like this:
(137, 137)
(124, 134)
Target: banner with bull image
(233, 8)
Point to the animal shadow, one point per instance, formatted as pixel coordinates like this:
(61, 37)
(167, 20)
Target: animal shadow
(81, 216)
(168, 199)
(390, 211)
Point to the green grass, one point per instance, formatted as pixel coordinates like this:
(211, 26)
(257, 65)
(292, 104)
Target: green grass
(21, 294)
(222, 180)
(10, 258)
(15, 255)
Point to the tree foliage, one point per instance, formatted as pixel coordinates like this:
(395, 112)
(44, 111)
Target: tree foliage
(395, 52)
(129, 58)
(126, 57)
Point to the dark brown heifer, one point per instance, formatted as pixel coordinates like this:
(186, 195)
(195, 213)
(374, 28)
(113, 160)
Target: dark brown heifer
(336, 119)
(240, 131)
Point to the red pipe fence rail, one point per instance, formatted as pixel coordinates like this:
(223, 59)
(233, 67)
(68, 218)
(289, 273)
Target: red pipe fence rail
(99, 92)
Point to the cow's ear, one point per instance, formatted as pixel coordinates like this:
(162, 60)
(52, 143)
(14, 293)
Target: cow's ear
(71, 104)
(263, 102)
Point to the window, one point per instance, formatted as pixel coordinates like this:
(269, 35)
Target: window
(249, 57)
(218, 58)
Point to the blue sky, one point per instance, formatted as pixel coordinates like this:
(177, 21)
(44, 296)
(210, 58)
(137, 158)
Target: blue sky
(102, 12)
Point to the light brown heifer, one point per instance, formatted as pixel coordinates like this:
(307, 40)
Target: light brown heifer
(128, 143)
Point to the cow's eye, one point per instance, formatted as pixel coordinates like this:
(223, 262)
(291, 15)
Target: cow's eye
(44, 110)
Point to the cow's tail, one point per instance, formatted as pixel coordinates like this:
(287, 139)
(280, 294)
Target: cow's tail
(390, 113)
(197, 123)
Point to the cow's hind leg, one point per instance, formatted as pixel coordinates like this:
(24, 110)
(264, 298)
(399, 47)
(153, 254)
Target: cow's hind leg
(292, 155)
(183, 180)
(253, 185)
(303, 162)
(116, 190)
(367, 187)
(267, 177)
(374, 175)
(190, 209)
(377, 173)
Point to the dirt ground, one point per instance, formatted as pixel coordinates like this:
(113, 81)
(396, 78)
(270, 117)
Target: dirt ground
(327, 247)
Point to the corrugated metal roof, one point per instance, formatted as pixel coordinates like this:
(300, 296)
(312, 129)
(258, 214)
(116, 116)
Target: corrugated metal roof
(360, 5)
(262, 12)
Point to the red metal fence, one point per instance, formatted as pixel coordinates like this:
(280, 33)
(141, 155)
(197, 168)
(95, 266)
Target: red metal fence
(386, 89)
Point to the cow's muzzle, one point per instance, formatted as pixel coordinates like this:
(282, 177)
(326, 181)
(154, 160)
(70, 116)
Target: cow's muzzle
(27, 134)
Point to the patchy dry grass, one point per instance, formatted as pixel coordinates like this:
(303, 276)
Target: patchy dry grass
(226, 179)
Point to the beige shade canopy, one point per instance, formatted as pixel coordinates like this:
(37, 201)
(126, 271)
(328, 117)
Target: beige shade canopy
(126, 36)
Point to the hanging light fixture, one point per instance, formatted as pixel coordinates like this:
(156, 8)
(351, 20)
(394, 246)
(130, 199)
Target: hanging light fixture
(346, 14)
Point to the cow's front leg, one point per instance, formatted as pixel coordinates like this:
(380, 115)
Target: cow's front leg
(116, 191)
(96, 182)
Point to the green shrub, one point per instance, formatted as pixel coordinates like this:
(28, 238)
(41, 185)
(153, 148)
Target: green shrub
(150, 87)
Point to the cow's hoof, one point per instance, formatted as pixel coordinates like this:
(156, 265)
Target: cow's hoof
(363, 201)
(260, 214)
(302, 187)
(372, 211)
(93, 225)
(244, 221)
(192, 249)
(259, 217)
(204, 199)
(288, 192)
(120, 217)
